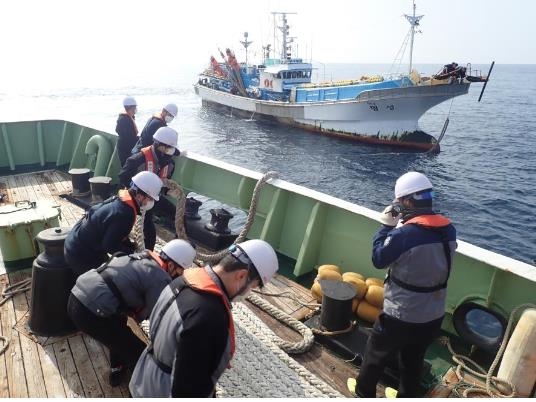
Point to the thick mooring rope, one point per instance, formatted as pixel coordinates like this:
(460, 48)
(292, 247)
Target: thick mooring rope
(495, 387)
(281, 316)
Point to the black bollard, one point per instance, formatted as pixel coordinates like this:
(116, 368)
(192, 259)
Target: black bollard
(80, 181)
(219, 221)
(100, 188)
(52, 281)
(336, 312)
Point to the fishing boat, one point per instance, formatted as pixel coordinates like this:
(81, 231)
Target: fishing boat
(41, 163)
(374, 109)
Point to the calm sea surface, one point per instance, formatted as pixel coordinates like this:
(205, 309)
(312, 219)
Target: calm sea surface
(484, 178)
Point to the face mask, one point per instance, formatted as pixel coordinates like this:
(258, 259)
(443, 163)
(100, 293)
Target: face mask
(169, 150)
(168, 119)
(148, 205)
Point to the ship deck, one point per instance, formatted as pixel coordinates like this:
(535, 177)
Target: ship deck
(76, 365)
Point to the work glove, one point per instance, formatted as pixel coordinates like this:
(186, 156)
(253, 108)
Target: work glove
(387, 217)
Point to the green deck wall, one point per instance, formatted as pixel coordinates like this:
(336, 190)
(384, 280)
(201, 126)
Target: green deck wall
(308, 230)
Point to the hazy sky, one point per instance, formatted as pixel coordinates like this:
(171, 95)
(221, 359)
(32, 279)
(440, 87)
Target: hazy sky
(88, 41)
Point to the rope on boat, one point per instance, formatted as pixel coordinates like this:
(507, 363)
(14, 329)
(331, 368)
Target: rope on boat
(15, 289)
(261, 369)
(5, 345)
(298, 326)
(494, 386)
(8, 293)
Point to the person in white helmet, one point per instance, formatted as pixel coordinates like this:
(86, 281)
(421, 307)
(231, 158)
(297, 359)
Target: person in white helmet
(156, 158)
(125, 285)
(105, 227)
(192, 330)
(162, 119)
(417, 246)
(126, 129)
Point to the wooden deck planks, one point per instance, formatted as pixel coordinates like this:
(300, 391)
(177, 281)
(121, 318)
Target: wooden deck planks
(78, 366)
(101, 366)
(84, 367)
(51, 373)
(64, 359)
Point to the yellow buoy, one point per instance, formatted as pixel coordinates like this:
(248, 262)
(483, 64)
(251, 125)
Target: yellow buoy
(518, 364)
(374, 296)
(328, 274)
(329, 267)
(316, 291)
(351, 274)
(358, 284)
(355, 304)
(374, 281)
(367, 311)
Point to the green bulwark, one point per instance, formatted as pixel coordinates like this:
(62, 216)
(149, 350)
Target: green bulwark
(308, 228)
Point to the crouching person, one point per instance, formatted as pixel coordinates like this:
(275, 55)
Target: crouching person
(192, 330)
(102, 298)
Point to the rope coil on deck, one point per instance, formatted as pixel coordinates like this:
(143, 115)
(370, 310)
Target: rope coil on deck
(298, 326)
(494, 385)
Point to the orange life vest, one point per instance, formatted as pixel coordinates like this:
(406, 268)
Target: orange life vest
(433, 221)
(125, 196)
(150, 164)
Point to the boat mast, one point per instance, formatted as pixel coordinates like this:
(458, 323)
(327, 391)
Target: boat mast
(246, 44)
(285, 31)
(414, 21)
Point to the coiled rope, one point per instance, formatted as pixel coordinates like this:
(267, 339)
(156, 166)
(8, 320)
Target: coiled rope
(494, 386)
(9, 292)
(175, 190)
(281, 316)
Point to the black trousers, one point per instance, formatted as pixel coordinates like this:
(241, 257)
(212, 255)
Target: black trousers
(113, 332)
(391, 337)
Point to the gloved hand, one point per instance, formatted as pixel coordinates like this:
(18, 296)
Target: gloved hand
(387, 217)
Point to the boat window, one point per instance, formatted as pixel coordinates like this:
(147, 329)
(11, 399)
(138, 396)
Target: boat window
(300, 74)
(293, 74)
(479, 325)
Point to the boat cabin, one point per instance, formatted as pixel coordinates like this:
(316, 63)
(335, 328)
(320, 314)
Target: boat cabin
(281, 77)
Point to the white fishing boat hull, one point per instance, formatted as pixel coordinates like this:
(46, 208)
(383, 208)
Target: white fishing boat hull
(387, 116)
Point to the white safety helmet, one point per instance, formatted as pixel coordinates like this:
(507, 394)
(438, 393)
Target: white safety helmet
(263, 257)
(149, 183)
(410, 183)
(129, 101)
(180, 251)
(166, 135)
(172, 109)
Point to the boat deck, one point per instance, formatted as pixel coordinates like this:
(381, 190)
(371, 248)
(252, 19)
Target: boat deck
(77, 365)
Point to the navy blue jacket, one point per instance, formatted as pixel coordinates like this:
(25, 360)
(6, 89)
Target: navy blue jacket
(416, 257)
(127, 136)
(146, 136)
(136, 163)
(103, 229)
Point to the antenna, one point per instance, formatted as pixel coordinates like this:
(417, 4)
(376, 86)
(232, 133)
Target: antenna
(414, 22)
(246, 43)
(286, 40)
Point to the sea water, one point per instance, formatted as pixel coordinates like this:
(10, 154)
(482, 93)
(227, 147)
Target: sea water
(484, 177)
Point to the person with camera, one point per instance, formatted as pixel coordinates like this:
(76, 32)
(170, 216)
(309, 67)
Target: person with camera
(417, 246)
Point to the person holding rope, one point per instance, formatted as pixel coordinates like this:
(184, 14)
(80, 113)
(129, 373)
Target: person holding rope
(126, 285)
(418, 254)
(156, 158)
(192, 331)
(105, 227)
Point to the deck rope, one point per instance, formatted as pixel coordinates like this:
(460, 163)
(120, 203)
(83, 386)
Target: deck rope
(289, 347)
(261, 369)
(15, 289)
(7, 293)
(495, 387)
